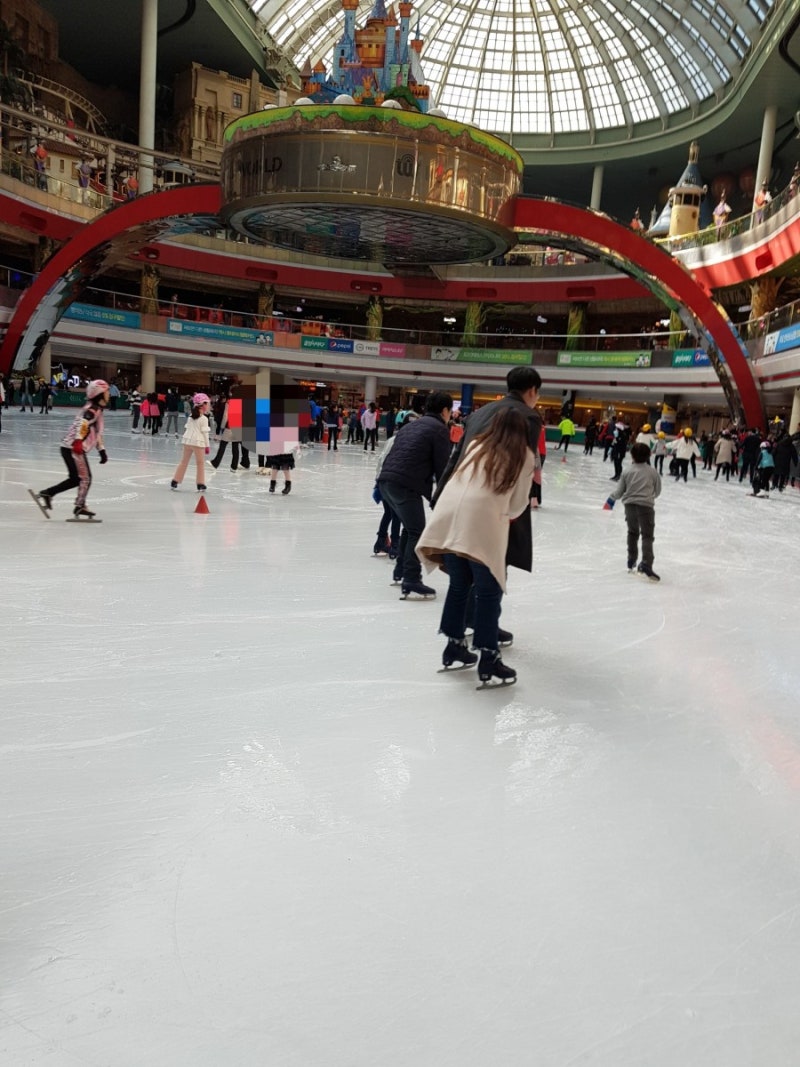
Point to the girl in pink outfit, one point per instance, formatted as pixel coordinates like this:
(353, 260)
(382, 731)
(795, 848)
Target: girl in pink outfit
(195, 442)
(85, 433)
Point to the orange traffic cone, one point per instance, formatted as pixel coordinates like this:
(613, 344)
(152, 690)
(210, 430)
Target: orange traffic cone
(202, 507)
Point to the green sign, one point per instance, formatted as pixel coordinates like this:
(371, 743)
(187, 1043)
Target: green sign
(314, 342)
(494, 355)
(603, 359)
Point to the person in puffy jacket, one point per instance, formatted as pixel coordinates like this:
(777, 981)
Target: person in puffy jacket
(418, 458)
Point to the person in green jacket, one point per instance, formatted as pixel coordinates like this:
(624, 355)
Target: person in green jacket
(567, 430)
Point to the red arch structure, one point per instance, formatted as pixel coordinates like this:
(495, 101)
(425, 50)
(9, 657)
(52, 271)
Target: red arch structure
(124, 230)
(601, 237)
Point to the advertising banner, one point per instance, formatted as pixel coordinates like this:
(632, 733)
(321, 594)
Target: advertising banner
(319, 344)
(208, 330)
(340, 344)
(396, 351)
(106, 316)
(782, 340)
(367, 348)
(604, 359)
(494, 355)
(690, 357)
(440, 352)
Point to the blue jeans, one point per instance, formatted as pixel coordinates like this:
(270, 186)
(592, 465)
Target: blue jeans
(463, 574)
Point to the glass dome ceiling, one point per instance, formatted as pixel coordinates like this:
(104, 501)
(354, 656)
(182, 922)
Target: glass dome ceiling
(552, 66)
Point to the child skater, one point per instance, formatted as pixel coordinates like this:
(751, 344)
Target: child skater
(467, 533)
(638, 487)
(85, 433)
(195, 442)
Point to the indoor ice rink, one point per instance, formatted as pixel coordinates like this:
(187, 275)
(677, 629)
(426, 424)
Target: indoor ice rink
(245, 821)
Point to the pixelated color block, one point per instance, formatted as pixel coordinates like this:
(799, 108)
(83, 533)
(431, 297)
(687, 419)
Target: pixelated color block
(235, 414)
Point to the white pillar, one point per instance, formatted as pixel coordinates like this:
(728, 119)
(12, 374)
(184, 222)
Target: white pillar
(147, 92)
(148, 373)
(370, 388)
(597, 187)
(764, 168)
(794, 418)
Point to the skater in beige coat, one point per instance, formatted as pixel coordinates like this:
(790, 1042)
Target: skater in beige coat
(467, 535)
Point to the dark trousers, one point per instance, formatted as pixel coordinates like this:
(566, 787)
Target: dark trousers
(333, 437)
(409, 507)
(389, 519)
(371, 437)
(78, 475)
(463, 575)
(137, 410)
(235, 446)
(641, 522)
(748, 469)
(726, 470)
(565, 440)
(682, 469)
(658, 463)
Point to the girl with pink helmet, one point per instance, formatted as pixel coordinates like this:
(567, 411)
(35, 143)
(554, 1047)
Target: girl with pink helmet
(195, 442)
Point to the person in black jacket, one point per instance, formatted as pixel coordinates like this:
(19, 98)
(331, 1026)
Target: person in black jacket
(751, 453)
(418, 457)
(523, 385)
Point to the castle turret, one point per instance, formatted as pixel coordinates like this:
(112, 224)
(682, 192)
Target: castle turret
(345, 50)
(405, 26)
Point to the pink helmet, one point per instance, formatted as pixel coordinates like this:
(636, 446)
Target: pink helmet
(96, 388)
(199, 399)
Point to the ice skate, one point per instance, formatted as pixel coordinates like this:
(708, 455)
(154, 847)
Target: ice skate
(286, 489)
(173, 484)
(648, 572)
(201, 488)
(43, 502)
(417, 591)
(272, 485)
(631, 566)
(457, 653)
(381, 547)
(82, 514)
(505, 638)
(492, 672)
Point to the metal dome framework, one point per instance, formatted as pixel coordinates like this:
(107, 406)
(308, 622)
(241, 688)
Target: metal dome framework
(553, 67)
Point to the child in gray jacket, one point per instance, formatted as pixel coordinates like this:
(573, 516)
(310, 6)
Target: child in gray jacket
(638, 488)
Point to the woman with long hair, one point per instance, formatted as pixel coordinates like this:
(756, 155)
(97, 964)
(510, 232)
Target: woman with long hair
(195, 442)
(467, 535)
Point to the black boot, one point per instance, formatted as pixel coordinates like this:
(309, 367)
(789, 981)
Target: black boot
(286, 489)
(492, 671)
(272, 485)
(457, 652)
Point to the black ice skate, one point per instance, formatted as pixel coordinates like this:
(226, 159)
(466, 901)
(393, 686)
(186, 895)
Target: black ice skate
(505, 638)
(492, 672)
(82, 514)
(457, 653)
(43, 502)
(286, 489)
(648, 572)
(381, 546)
(417, 591)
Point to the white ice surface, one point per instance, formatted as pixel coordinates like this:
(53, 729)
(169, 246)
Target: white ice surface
(243, 821)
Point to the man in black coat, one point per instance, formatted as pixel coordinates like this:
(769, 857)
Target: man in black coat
(523, 385)
(418, 455)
